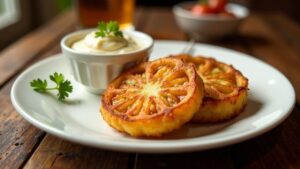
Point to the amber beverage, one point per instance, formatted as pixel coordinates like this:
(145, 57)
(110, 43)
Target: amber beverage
(90, 12)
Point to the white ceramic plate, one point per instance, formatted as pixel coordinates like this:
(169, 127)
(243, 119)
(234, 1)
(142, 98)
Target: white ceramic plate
(271, 99)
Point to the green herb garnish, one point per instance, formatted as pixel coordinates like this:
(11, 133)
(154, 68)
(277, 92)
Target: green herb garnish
(108, 29)
(63, 86)
(203, 2)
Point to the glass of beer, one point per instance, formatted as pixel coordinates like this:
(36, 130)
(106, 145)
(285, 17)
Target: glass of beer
(90, 12)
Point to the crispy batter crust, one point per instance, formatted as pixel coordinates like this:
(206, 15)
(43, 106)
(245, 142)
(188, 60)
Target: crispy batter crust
(226, 89)
(158, 77)
(221, 110)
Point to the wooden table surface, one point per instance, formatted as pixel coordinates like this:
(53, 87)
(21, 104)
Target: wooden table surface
(271, 37)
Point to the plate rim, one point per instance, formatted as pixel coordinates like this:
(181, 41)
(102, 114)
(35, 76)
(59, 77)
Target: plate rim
(154, 146)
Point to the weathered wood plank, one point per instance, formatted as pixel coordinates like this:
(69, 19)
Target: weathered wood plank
(13, 58)
(160, 24)
(288, 28)
(18, 139)
(219, 158)
(57, 153)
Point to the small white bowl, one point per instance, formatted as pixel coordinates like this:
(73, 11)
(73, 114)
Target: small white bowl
(209, 26)
(95, 71)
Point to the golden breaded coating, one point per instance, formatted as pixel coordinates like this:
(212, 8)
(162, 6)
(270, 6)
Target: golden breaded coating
(225, 94)
(153, 98)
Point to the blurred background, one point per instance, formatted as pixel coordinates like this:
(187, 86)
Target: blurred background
(18, 17)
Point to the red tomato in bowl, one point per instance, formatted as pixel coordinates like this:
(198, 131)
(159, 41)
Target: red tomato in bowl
(209, 7)
(201, 9)
(217, 5)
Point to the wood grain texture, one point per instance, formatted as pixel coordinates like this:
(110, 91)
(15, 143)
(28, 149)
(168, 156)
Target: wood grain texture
(13, 58)
(219, 158)
(160, 24)
(57, 153)
(288, 28)
(18, 139)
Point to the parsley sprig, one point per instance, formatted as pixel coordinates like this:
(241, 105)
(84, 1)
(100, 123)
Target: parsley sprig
(63, 86)
(108, 29)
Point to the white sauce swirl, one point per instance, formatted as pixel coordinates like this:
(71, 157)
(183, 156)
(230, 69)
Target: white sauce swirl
(105, 45)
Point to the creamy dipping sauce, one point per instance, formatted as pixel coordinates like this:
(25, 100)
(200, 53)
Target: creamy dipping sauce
(105, 45)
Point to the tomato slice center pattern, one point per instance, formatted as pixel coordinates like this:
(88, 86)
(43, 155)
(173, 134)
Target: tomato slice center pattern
(151, 91)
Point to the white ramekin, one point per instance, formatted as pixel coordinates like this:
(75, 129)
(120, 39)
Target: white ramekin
(209, 26)
(95, 71)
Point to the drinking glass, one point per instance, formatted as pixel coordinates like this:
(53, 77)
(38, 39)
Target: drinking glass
(90, 12)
